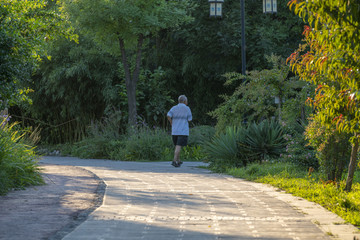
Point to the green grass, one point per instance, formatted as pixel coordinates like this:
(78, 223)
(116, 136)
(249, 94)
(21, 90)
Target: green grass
(296, 181)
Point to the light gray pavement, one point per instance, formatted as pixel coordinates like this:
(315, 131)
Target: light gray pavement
(156, 201)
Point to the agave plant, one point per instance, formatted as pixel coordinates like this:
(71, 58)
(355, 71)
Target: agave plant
(224, 148)
(265, 139)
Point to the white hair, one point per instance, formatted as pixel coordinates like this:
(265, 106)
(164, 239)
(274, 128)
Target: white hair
(182, 99)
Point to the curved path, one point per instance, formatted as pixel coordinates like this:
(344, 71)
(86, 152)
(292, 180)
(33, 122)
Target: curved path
(157, 201)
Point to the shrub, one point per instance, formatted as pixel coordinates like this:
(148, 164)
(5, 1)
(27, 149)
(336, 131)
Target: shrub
(93, 147)
(143, 144)
(238, 146)
(299, 152)
(224, 149)
(18, 162)
(201, 134)
(192, 153)
(333, 149)
(265, 139)
(99, 136)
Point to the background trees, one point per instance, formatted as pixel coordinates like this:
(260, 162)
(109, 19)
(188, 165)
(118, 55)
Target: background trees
(122, 27)
(25, 26)
(196, 56)
(188, 59)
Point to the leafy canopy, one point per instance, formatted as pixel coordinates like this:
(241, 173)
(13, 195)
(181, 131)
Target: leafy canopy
(330, 59)
(25, 28)
(108, 21)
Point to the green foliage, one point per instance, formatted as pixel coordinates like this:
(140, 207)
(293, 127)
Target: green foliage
(192, 153)
(79, 85)
(143, 144)
(253, 98)
(256, 171)
(224, 149)
(330, 196)
(25, 28)
(107, 21)
(121, 27)
(265, 140)
(99, 139)
(153, 97)
(93, 147)
(239, 146)
(139, 144)
(329, 59)
(198, 54)
(200, 134)
(299, 152)
(333, 149)
(67, 99)
(18, 162)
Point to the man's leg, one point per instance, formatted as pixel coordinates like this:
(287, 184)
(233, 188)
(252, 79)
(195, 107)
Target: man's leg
(177, 154)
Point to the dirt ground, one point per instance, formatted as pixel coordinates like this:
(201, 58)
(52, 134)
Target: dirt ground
(52, 210)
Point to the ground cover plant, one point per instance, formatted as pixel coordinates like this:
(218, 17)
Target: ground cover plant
(309, 185)
(18, 162)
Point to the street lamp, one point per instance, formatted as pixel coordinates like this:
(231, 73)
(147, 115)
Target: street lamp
(216, 8)
(269, 6)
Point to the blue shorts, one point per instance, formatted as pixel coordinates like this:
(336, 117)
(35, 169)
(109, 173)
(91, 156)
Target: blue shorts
(180, 140)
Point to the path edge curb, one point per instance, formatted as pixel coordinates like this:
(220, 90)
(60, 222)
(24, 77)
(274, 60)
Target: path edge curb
(83, 215)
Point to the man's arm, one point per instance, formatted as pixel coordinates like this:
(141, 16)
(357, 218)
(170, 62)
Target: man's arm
(170, 119)
(189, 116)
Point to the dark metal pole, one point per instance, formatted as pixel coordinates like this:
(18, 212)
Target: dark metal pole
(243, 45)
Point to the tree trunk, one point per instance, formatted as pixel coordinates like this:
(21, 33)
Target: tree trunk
(131, 81)
(352, 164)
(303, 115)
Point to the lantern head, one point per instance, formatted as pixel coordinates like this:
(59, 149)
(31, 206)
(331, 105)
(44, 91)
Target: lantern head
(216, 8)
(269, 6)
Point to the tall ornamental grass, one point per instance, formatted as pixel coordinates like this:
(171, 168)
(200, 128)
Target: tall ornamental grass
(18, 162)
(144, 144)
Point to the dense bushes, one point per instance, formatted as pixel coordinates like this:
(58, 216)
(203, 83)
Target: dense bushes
(139, 144)
(333, 149)
(18, 162)
(144, 144)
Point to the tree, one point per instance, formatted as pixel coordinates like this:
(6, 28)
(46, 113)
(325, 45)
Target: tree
(330, 59)
(25, 27)
(122, 27)
(75, 88)
(253, 99)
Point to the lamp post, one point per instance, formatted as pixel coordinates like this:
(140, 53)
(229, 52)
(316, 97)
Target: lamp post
(243, 43)
(269, 6)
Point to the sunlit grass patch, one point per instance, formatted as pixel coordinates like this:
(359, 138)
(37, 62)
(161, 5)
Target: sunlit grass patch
(297, 181)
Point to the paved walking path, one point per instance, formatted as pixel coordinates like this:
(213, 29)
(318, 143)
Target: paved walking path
(156, 201)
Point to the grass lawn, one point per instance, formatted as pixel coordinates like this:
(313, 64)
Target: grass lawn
(296, 181)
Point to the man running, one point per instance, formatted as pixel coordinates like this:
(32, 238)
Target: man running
(179, 117)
